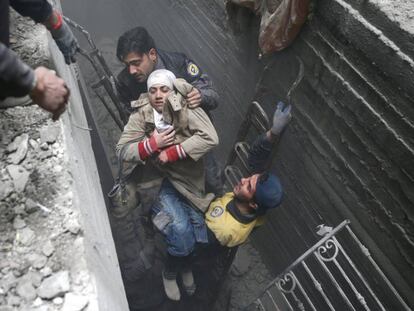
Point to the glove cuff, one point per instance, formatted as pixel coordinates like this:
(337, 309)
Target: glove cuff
(175, 153)
(147, 147)
(55, 21)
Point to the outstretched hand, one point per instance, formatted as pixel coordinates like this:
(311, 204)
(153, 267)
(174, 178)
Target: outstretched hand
(281, 118)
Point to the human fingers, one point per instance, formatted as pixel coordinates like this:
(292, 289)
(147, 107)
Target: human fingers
(58, 113)
(168, 130)
(280, 106)
(171, 135)
(194, 104)
(192, 93)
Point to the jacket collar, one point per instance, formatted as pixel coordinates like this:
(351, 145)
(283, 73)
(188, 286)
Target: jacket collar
(234, 211)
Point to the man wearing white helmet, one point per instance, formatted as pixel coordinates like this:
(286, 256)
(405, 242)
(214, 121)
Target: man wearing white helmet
(162, 129)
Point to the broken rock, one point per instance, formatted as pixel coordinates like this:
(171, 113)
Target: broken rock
(49, 134)
(21, 152)
(16, 143)
(25, 236)
(55, 285)
(31, 206)
(48, 249)
(6, 188)
(26, 290)
(19, 176)
(13, 300)
(46, 271)
(74, 302)
(72, 225)
(37, 261)
(18, 223)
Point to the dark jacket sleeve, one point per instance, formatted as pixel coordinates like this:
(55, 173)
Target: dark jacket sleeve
(259, 154)
(38, 10)
(184, 67)
(16, 78)
(201, 81)
(128, 90)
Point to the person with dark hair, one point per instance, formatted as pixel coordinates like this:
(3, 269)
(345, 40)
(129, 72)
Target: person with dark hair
(18, 79)
(232, 217)
(137, 50)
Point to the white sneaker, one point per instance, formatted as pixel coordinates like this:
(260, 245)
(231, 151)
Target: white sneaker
(171, 288)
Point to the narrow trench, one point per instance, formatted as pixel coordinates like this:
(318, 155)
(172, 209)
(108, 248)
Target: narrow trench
(134, 235)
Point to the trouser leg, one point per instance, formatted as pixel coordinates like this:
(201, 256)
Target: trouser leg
(213, 179)
(175, 221)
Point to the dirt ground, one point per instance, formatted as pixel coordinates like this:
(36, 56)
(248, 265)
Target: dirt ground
(40, 230)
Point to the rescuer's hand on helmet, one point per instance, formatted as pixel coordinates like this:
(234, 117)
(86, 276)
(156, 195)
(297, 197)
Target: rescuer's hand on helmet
(164, 139)
(194, 98)
(281, 118)
(50, 92)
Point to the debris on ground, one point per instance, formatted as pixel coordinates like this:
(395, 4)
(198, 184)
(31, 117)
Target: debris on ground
(40, 234)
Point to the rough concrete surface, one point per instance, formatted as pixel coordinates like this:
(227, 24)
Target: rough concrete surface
(348, 152)
(40, 232)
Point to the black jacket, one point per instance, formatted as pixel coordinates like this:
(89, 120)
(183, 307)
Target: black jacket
(16, 78)
(183, 67)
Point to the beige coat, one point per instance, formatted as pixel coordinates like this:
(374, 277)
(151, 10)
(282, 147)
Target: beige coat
(194, 131)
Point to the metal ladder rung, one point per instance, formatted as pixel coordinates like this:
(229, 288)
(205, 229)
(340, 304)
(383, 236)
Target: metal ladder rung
(242, 151)
(258, 117)
(233, 175)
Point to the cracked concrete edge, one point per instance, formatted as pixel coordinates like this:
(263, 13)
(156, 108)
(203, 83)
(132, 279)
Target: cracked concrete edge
(100, 250)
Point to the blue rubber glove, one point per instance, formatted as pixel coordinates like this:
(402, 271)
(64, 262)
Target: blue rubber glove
(66, 42)
(281, 118)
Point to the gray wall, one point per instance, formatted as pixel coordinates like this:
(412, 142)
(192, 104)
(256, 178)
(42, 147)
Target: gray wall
(88, 197)
(349, 150)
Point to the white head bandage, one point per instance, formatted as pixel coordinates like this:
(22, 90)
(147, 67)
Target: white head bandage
(162, 77)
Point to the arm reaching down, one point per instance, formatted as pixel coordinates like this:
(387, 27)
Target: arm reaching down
(261, 149)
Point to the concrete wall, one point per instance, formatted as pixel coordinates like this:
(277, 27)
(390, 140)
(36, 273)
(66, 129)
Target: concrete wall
(99, 245)
(349, 151)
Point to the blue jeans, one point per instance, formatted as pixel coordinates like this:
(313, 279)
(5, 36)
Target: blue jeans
(186, 226)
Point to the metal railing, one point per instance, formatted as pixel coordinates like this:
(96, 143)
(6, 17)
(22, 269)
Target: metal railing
(325, 277)
(106, 79)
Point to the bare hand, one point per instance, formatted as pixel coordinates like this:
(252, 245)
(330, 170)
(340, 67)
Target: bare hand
(165, 138)
(50, 92)
(194, 98)
(162, 157)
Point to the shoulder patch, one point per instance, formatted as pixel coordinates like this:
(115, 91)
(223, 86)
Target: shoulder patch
(217, 211)
(192, 69)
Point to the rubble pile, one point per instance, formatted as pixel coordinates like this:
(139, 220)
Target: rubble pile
(42, 265)
(41, 245)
